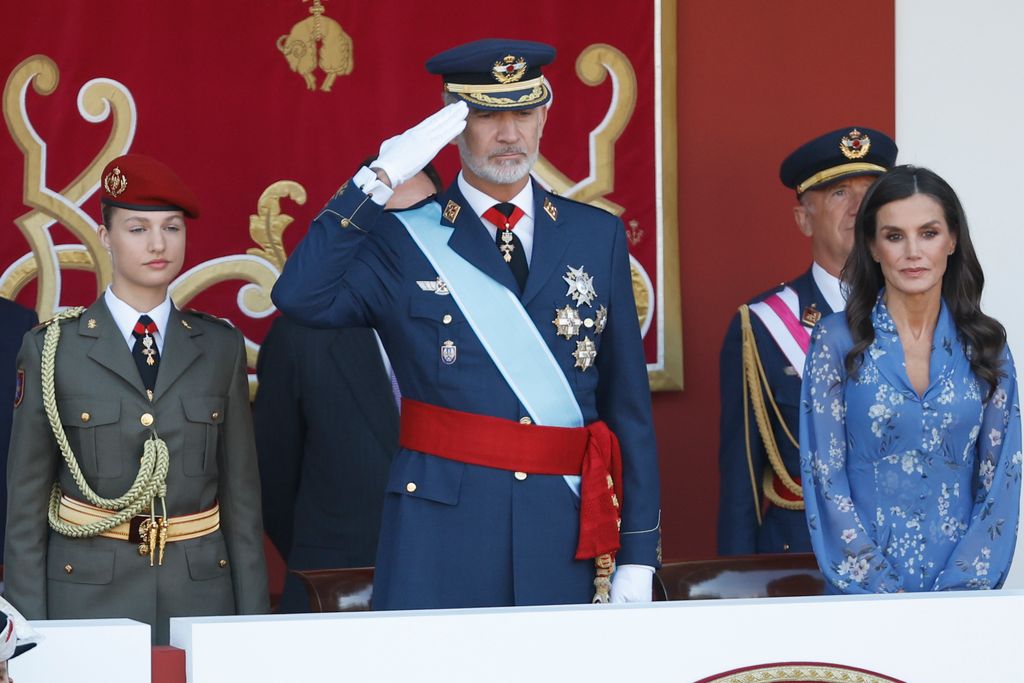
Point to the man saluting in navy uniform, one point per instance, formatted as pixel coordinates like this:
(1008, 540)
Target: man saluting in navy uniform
(761, 507)
(527, 469)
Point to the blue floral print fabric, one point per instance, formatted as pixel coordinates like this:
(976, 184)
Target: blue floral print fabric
(908, 492)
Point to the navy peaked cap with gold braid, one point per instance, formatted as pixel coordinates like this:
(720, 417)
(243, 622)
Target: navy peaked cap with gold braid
(495, 74)
(842, 153)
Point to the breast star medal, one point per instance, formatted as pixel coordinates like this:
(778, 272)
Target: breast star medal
(581, 286)
(601, 319)
(567, 322)
(585, 354)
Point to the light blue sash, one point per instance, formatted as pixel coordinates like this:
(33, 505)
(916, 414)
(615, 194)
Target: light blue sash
(502, 325)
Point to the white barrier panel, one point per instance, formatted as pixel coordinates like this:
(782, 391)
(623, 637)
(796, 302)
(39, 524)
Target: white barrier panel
(915, 638)
(107, 650)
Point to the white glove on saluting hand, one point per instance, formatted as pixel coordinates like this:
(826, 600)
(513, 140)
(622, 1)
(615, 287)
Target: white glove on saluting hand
(632, 583)
(405, 155)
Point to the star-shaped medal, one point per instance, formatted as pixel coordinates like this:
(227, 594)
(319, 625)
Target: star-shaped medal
(602, 319)
(585, 354)
(581, 286)
(567, 322)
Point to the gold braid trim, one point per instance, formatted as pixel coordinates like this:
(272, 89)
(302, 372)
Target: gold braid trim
(150, 482)
(756, 383)
(744, 324)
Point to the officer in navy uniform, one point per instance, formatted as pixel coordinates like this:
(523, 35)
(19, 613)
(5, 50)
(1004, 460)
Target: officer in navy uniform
(132, 482)
(526, 435)
(760, 500)
(15, 321)
(326, 428)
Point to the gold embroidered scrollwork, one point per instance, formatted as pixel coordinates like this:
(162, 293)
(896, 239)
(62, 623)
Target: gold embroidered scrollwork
(98, 100)
(260, 267)
(593, 66)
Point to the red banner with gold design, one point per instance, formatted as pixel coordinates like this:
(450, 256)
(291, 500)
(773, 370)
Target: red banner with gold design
(265, 107)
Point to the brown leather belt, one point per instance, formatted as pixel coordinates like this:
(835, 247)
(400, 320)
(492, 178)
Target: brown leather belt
(180, 528)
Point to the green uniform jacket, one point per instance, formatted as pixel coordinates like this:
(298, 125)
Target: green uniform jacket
(201, 410)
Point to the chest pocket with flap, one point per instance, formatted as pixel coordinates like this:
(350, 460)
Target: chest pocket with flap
(92, 426)
(204, 416)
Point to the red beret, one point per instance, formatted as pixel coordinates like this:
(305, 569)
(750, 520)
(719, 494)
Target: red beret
(135, 181)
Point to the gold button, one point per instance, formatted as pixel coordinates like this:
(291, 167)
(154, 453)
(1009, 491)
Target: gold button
(447, 318)
(521, 476)
(214, 415)
(68, 569)
(410, 487)
(588, 322)
(344, 222)
(146, 419)
(222, 564)
(525, 420)
(86, 417)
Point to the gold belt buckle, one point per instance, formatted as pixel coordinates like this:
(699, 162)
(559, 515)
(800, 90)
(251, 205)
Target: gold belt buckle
(150, 534)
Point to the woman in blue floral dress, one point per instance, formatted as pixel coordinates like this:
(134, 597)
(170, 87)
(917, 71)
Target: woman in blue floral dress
(910, 425)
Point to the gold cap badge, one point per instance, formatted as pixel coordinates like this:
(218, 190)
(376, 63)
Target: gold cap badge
(855, 145)
(509, 69)
(115, 182)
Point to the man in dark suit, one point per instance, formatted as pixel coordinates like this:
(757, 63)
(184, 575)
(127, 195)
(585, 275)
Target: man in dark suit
(326, 423)
(761, 508)
(15, 321)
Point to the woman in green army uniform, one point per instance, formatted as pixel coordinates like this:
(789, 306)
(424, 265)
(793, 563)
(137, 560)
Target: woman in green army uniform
(132, 478)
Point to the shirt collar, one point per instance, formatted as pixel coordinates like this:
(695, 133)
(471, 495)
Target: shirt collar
(125, 316)
(480, 202)
(830, 287)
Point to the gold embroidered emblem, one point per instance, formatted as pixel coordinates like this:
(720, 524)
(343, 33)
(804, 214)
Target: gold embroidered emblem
(317, 41)
(91, 324)
(184, 323)
(550, 209)
(115, 182)
(855, 145)
(811, 316)
(509, 69)
(451, 211)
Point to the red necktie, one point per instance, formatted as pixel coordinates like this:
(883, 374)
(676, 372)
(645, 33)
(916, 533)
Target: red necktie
(505, 216)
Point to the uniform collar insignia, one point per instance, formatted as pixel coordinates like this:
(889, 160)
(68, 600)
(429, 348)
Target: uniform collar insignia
(550, 209)
(811, 316)
(451, 211)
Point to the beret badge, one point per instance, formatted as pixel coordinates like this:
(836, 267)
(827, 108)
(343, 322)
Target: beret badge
(855, 145)
(509, 69)
(115, 182)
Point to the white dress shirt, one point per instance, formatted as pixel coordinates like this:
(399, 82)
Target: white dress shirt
(480, 202)
(125, 318)
(831, 288)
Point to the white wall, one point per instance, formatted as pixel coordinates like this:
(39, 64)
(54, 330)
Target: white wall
(960, 111)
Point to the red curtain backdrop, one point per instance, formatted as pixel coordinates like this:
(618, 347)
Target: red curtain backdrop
(214, 97)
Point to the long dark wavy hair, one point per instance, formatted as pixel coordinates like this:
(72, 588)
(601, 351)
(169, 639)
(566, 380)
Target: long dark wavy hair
(983, 337)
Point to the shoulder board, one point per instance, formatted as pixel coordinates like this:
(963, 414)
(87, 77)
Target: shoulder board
(558, 199)
(209, 316)
(66, 314)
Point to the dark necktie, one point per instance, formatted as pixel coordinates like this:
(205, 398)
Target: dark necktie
(145, 352)
(505, 216)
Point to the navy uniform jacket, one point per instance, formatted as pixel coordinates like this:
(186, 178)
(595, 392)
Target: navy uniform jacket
(782, 530)
(15, 321)
(326, 429)
(466, 535)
